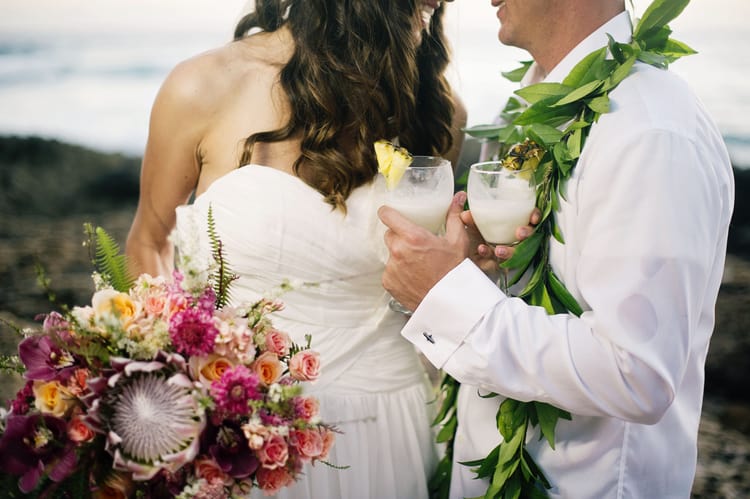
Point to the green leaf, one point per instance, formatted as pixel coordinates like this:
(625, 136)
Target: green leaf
(534, 281)
(484, 131)
(655, 38)
(534, 93)
(447, 431)
(512, 105)
(543, 112)
(599, 104)
(439, 484)
(540, 297)
(659, 13)
(580, 93)
(676, 49)
(563, 295)
(517, 74)
(487, 465)
(584, 71)
(574, 143)
(548, 416)
(620, 73)
(523, 253)
(654, 59)
(557, 234)
(544, 135)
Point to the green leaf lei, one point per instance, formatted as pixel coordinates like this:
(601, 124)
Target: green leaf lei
(558, 117)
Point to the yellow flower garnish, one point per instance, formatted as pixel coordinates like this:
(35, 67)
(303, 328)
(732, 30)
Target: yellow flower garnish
(392, 162)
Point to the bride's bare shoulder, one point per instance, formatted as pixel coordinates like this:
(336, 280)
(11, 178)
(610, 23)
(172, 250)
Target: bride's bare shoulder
(207, 78)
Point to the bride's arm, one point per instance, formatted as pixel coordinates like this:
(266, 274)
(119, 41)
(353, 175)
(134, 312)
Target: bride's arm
(170, 169)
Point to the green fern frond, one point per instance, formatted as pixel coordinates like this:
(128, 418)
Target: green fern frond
(108, 259)
(223, 276)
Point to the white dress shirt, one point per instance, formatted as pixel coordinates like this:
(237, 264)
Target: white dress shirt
(645, 217)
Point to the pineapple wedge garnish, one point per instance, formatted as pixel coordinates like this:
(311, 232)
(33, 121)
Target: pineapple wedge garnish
(392, 162)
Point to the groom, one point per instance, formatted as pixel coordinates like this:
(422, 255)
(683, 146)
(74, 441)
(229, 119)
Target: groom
(644, 218)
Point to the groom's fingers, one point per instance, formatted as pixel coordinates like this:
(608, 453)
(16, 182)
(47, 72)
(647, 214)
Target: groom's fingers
(396, 221)
(454, 226)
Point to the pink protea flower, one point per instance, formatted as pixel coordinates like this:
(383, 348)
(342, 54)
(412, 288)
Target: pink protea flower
(235, 389)
(151, 414)
(193, 332)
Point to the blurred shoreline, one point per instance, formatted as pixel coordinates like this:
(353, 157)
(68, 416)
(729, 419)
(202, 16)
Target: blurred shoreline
(48, 189)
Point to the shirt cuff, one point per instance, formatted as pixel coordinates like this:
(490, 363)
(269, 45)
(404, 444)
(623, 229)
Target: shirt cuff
(450, 310)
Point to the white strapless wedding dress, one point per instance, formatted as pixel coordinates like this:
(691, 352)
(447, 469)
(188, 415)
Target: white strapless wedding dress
(373, 387)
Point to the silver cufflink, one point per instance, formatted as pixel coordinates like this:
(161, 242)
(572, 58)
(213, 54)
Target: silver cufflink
(428, 337)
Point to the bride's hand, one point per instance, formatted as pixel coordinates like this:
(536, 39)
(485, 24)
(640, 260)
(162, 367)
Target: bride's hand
(484, 255)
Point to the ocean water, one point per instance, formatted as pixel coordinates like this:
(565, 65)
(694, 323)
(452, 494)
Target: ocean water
(87, 72)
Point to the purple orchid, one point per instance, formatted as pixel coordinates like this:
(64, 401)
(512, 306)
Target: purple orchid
(36, 445)
(44, 360)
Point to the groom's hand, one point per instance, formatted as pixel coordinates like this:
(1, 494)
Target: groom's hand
(418, 258)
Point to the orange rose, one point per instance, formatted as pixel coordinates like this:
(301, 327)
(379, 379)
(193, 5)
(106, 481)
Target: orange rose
(268, 367)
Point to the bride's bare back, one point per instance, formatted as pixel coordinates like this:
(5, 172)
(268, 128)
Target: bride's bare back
(206, 108)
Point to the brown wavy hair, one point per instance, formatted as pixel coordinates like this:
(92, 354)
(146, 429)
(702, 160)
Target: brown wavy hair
(358, 74)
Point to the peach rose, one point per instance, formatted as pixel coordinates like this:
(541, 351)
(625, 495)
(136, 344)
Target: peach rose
(271, 481)
(274, 452)
(209, 368)
(278, 342)
(308, 442)
(208, 469)
(50, 397)
(305, 365)
(78, 431)
(268, 367)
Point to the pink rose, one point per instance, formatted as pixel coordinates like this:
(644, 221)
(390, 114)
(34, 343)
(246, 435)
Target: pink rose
(268, 367)
(278, 342)
(78, 431)
(329, 438)
(308, 442)
(306, 407)
(305, 365)
(274, 452)
(271, 481)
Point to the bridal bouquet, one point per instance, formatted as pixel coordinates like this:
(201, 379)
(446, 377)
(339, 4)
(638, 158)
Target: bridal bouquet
(158, 388)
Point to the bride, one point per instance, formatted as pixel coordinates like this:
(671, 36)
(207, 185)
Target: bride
(274, 131)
